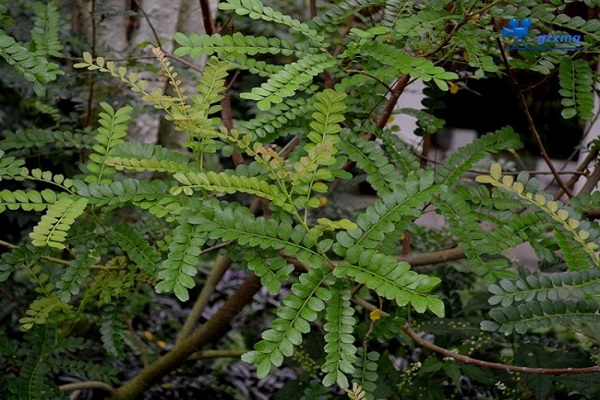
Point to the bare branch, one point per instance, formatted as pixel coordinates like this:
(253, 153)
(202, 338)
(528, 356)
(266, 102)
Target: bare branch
(504, 367)
(217, 354)
(530, 123)
(87, 385)
(469, 360)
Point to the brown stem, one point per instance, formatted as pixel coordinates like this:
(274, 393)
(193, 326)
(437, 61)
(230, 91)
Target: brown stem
(504, 367)
(137, 342)
(582, 167)
(212, 330)
(435, 257)
(397, 91)
(469, 360)
(425, 150)
(47, 258)
(207, 20)
(594, 214)
(591, 181)
(313, 8)
(227, 118)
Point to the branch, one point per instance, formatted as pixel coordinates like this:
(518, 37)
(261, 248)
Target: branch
(207, 20)
(211, 331)
(87, 385)
(582, 167)
(469, 360)
(61, 261)
(592, 181)
(594, 214)
(221, 265)
(395, 94)
(47, 258)
(313, 8)
(435, 257)
(504, 367)
(217, 354)
(530, 122)
(150, 25)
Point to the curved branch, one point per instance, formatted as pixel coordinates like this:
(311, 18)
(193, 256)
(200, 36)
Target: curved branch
(47, 258)
(469, 360)
(530, 123)
(212, 330)
(504, 367)
(87, 385)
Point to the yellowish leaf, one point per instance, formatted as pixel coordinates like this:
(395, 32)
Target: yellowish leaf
(496, 171)
(484, 179)
(562, 214)
(539, 199)
(508, 180)
(518, 187)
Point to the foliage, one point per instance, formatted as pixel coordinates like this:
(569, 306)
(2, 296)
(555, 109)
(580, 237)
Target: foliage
(91, 264)
(30, 59)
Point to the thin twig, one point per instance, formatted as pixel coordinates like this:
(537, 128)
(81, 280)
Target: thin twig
(530, 172)
(186, 63)
(137, 342)
(473, 361)
(47, 258)
(504, 367)
(90, 99)
(365, 73)
(133, 58)
(530, 122)
(139, 5)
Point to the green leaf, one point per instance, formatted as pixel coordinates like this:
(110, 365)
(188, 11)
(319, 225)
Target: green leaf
(52, 229)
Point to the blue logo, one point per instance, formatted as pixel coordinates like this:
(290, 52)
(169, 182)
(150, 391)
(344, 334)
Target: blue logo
(520, 30)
